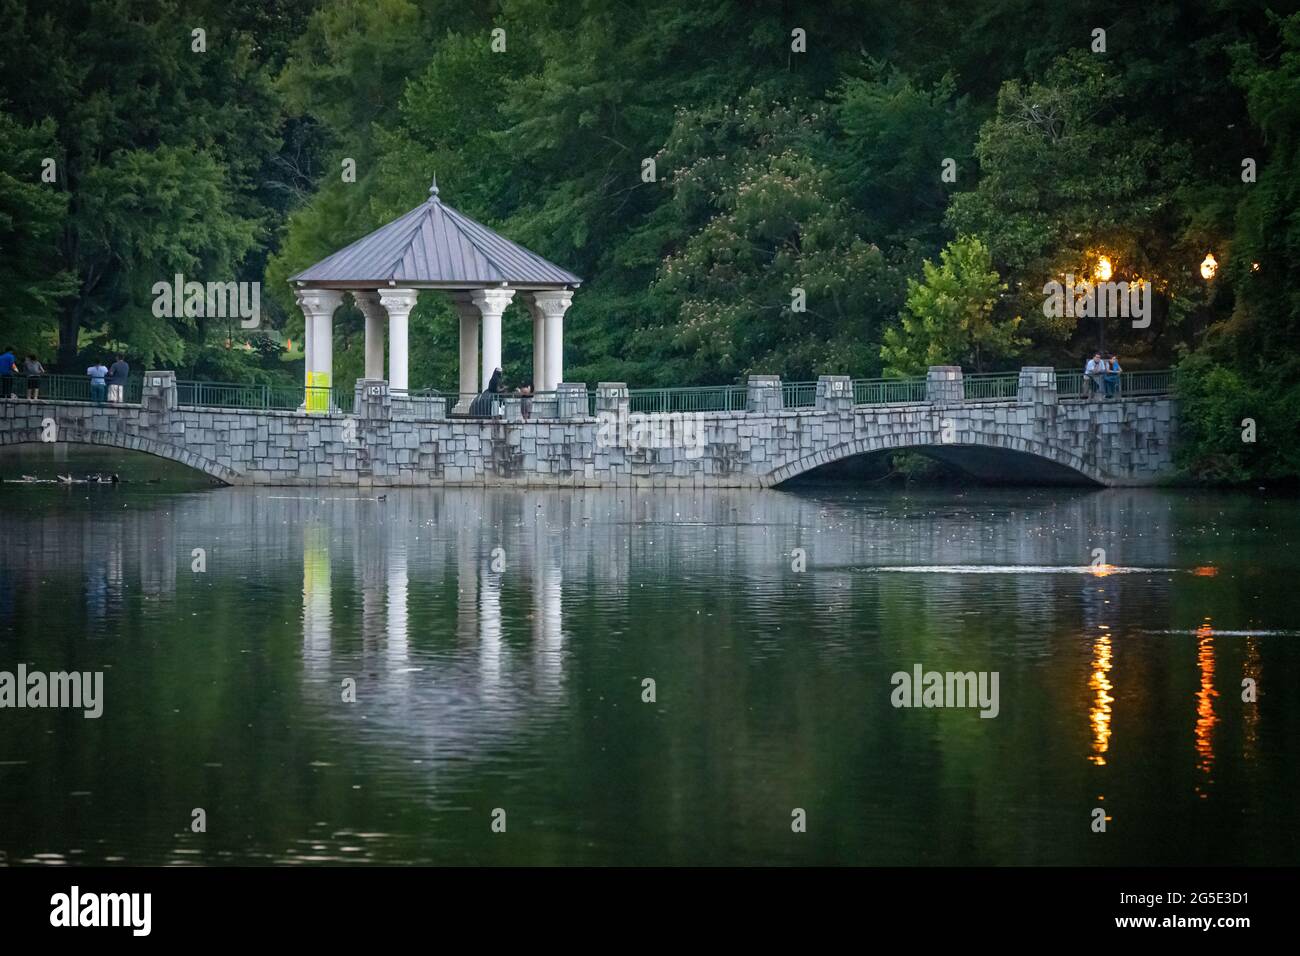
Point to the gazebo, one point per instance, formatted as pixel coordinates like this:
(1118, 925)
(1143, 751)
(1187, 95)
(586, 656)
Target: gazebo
(435, 247)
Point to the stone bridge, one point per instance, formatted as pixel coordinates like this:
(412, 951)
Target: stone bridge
(1039, 436)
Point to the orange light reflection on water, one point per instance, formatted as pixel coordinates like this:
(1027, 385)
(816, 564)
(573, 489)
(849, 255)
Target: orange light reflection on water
(1250, 712)
(1205, 717)
(1100, 712)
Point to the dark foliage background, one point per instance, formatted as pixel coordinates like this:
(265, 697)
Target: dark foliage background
(774, 170)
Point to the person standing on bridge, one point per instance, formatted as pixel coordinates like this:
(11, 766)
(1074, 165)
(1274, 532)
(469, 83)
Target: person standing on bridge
(98, 382)
(7, 362)
(481, 407)
(1112, 375)
(1092, 375)
(33, 369)
(117, 376)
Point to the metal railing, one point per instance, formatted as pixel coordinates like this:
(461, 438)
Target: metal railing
(73, 388)
(798, 394)
(990, 386)
(263, 397)
(714, 398)
(888, 391)
(462, 404)
(1073, 384)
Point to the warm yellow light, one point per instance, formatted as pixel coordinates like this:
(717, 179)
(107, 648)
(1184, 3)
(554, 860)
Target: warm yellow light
(1209, 266)
(1254, 267)
(1104, 269)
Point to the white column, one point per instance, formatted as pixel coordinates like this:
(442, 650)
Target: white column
(318, 307)
(398, 303)
(370, 306)
(469, 321)
(539, 343)
(491, 303)
(553, 305)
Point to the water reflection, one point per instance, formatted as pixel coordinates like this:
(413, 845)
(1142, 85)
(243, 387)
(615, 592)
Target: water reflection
(1205, 717)
(1251, 670)
(1101, 686)
(498, 639)
(317, 607)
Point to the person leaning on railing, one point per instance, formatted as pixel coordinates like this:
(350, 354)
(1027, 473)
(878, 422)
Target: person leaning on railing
(117, 376)
(98, 382)
(1111, 375)
(7, 363)
(33, 369)
(481, 407)
(1093, 375)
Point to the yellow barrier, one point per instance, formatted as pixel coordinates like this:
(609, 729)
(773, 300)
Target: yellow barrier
(318, 392)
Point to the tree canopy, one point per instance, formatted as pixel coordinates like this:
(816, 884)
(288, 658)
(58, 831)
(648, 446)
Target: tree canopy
(745, 185)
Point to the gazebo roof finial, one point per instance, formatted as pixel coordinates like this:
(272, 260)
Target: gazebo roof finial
(433, 190)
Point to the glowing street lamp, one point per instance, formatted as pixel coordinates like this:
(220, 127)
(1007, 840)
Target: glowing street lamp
(1209, 266)
(1104, 269)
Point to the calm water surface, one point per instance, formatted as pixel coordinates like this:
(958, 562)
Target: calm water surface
(514, 680)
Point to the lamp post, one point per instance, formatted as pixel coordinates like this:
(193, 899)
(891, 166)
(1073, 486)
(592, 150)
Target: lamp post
(1209, 266)
(1102, 273)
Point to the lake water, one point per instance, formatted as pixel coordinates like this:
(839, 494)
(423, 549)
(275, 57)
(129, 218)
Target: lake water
(513, 680)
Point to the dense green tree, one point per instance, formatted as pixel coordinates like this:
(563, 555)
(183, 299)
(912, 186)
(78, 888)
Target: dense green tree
(949, 317)
(1247, 372)
(32, 214)
(1066, 177)
(158, 146)
(793, 148)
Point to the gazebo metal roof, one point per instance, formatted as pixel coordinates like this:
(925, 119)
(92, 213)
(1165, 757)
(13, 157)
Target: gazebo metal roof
(435, 247)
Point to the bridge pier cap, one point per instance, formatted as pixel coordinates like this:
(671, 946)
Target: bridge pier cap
(763, 394)
(835, 393)
(944, 385)
(1036, 385)
(159, 393)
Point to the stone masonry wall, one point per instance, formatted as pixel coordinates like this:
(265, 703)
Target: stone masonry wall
(1121, 442)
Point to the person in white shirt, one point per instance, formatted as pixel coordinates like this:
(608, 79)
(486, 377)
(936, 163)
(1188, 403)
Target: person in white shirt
(1092, 374)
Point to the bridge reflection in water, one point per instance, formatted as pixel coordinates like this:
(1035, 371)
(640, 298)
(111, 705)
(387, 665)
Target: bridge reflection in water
(498, 640)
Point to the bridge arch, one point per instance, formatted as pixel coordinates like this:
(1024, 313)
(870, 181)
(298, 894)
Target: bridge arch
(72, 435)
(951, 453)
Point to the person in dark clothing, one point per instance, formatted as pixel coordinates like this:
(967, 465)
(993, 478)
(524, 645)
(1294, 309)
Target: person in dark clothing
(33, 369)
(481, 407)
(7, 363)
(118, 373)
